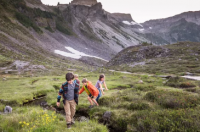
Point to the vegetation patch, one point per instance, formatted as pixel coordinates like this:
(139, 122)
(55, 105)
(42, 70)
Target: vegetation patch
(183, 120)
(144, 87)
(27, 22)
(173, 99)
(62, 28)
(179, 82)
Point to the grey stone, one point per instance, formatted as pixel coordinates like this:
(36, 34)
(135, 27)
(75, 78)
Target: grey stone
(83, 119)
(8, 109)
(189, 74)
(140, 81)
(107, 116)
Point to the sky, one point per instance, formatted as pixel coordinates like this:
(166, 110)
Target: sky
(144, 10)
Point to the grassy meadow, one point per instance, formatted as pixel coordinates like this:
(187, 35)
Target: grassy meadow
(155, 105)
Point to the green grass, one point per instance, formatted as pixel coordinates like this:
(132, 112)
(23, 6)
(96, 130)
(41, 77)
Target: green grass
(36, 119)
(141, 107)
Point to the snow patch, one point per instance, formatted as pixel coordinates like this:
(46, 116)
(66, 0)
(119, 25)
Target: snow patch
(75, 54)
(141, 29)
(131, 23)
(127, 22)
(192, 77)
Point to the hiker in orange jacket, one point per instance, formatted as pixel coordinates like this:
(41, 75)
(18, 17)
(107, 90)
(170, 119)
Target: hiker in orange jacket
(91, 90)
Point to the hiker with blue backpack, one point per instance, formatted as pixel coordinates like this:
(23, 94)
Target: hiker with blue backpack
(99, 84)
(70, 93)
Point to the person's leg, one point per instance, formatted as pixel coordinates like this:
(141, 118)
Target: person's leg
(90, 100)
(68, 112)
(94, 100)
(99, 95)
(73, 110)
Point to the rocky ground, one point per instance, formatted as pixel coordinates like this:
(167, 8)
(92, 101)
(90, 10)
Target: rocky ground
(176, 59)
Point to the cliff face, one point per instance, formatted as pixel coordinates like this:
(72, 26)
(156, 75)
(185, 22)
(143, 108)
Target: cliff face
(122, 17)
(182, 27)
(84, 2)
(36, 27)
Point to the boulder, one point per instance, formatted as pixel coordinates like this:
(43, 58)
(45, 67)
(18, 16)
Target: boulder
(8, 110)
(107, 116)
(189, 74)
(83, 119)
(140, 82)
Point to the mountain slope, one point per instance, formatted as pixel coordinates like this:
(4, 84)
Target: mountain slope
(175, 58)
(182, 27)
(34, 27)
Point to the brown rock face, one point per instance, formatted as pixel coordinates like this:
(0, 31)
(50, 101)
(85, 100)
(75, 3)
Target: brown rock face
(84, 2)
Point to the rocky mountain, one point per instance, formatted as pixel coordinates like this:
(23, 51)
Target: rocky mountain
(84, 2)
(77, 30)
(146, 58)
(182, 27)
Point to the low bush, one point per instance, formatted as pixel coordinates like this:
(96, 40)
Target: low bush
(57, 87)
(179, 82)
(27, 22)
(107, 101)
(173, 99)
(60, 27)
(182, 120)
(143, 87)
(138, 106)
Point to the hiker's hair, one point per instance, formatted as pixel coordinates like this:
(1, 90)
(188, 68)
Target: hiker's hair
(75, 75)
(101, 76)
(69, 76)
(84, 80)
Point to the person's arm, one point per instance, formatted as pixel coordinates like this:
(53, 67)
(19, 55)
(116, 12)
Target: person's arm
(101, 88)
(93, 89)
(59, 96)
(104, 83)
(81, 90)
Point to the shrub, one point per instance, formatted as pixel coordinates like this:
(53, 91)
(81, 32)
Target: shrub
(106, 101)
(142, 87)
(57, 87)
(178, 82)
(27, 22)
(182, 120)
(172, 99)
(49, 28)
(138, 106)
(60, 27)
(187, 85)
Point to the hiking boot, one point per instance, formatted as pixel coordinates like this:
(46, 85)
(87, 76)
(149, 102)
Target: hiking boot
(69, 126)
(73, 122)
(91, 106)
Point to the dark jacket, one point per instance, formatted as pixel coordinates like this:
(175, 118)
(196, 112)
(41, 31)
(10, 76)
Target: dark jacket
(64, 89)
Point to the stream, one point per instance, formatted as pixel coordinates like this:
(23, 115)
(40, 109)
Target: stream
(197, 78)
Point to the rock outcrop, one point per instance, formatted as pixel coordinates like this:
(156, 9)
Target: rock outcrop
(182, 27)
(84, 2)
(122, 17)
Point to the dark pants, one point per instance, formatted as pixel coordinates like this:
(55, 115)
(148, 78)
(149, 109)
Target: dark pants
(100, 94)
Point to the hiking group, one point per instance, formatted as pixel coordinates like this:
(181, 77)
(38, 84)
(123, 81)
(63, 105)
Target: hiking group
(69, 91)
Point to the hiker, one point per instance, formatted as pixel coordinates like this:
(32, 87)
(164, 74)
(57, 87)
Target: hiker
(77, 88)
(99, 86)
(91, 90)
(69, 92)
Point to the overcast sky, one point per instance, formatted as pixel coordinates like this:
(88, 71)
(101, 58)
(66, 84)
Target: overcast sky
(143, 10)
